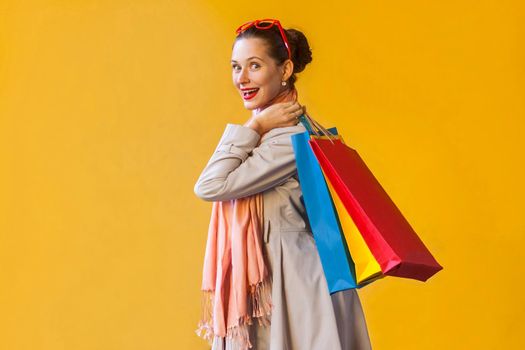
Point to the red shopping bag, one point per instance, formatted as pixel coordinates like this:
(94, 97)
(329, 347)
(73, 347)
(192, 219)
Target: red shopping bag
(395, 245)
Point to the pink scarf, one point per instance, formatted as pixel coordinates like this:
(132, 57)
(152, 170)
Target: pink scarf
(236, 283)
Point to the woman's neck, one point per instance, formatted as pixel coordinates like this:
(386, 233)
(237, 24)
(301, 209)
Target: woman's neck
(287, 94)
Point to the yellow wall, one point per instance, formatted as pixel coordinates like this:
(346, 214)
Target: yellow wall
(109, 110)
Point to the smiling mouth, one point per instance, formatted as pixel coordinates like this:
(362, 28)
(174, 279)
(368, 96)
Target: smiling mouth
(249, 94)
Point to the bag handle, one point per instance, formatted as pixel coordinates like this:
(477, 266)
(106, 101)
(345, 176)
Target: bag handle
(315, 128)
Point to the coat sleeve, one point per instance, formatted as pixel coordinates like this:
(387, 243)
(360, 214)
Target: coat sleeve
(240, 168)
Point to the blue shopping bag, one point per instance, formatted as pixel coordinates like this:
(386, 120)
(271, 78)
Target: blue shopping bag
(335, 258)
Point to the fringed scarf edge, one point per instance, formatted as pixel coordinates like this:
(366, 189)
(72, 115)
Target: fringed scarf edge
(260, 303)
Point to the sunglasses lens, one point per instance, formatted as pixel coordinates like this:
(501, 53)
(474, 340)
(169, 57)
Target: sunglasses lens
(259, 24)
(265, 24)
(243, 27)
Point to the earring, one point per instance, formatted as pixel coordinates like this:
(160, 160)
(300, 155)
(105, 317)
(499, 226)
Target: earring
(283, 83)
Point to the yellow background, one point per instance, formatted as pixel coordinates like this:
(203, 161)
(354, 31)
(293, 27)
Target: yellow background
(109, 110)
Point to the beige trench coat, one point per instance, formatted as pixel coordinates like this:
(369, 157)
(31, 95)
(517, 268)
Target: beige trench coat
(305, 315)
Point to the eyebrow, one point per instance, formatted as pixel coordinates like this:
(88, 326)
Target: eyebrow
(249, 58)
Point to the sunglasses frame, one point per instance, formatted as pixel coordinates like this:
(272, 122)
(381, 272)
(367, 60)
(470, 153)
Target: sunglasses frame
(271, 22)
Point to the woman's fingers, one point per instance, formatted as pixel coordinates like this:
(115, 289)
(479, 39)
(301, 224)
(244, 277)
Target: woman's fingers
(294, 107)
(290, 113)
(291, 105)
(294, 117)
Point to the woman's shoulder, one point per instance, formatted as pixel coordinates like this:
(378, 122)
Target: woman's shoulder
(283, 132)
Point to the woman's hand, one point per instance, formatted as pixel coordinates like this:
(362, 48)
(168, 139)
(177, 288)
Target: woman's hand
(275, 116)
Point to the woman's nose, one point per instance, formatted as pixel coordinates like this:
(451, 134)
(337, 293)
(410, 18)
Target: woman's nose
(242, 77)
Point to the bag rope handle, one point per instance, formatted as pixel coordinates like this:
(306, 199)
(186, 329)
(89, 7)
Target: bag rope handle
(315, 128)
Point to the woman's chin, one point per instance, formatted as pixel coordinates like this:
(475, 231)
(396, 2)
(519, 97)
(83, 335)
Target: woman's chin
(251, 105)
(256, 103)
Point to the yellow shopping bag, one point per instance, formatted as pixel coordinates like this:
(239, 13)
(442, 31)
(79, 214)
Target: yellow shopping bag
(367, 269)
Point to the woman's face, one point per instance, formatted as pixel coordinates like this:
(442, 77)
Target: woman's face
(252, 68)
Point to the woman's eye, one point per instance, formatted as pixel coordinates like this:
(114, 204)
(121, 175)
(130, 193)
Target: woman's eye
(236, 67)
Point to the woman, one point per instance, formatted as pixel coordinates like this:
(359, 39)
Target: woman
(252, 180)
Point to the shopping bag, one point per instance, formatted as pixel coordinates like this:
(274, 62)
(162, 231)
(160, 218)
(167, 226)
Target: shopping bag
(367, 268)
(336, 261)
(393, 242)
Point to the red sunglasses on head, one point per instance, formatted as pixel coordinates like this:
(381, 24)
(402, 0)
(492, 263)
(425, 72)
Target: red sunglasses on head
(266, 23)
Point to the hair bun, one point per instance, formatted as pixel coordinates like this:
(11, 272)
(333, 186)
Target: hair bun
(301, 52)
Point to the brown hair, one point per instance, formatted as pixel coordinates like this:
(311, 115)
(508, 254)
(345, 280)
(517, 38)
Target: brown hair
(299, 48)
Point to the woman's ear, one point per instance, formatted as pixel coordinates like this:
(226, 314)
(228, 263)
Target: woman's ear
(288, 69)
